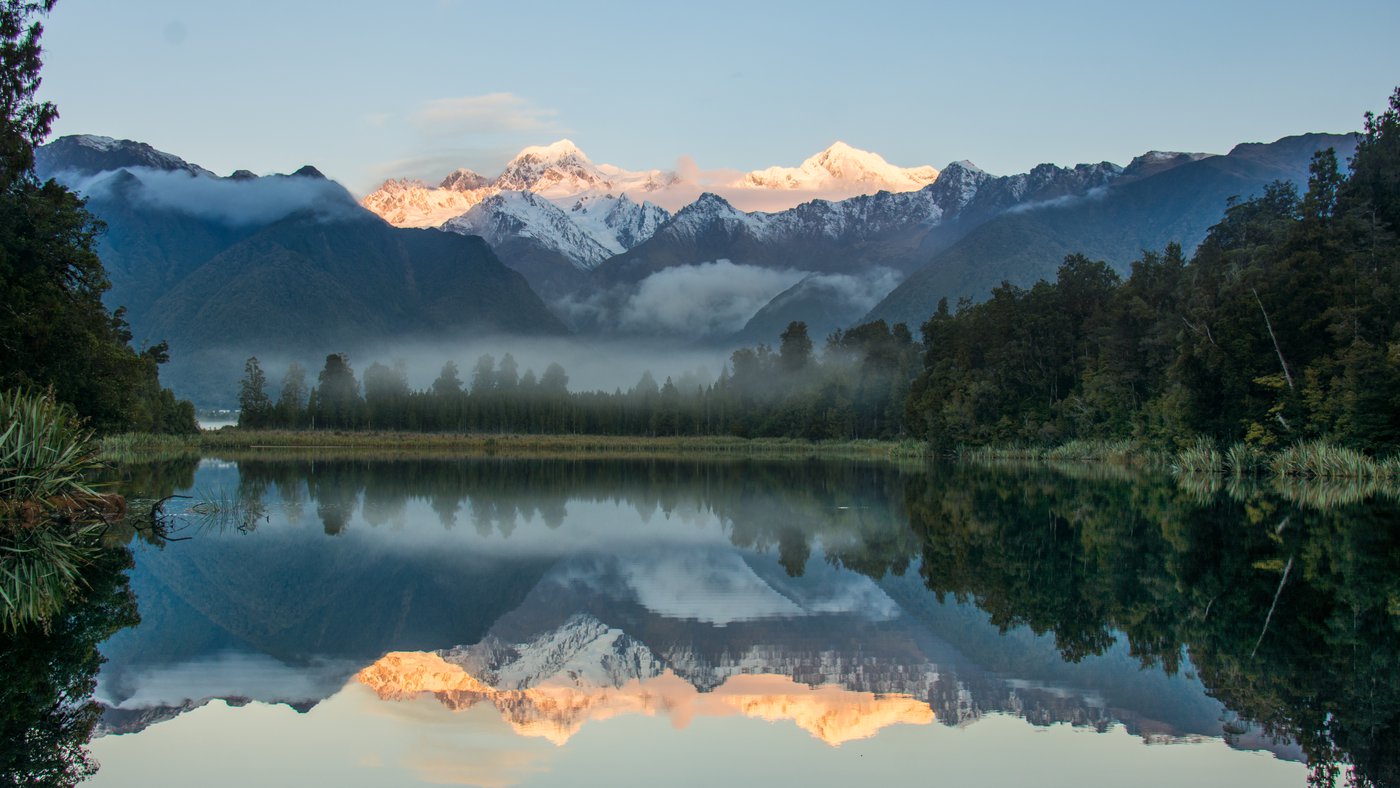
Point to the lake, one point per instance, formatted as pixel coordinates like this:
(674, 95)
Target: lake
(357, 620)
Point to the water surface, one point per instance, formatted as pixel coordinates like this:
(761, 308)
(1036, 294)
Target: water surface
(498, 622)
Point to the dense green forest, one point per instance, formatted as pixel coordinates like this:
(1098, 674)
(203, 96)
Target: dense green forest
(1284, 326)
(55, 333)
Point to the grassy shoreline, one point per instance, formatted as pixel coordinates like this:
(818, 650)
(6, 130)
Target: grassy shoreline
(1313, 459)
(508, 445)
(1106, 452)
(1304, 460)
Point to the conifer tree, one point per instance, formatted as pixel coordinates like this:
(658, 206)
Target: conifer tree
(254, 406)
(291, 404)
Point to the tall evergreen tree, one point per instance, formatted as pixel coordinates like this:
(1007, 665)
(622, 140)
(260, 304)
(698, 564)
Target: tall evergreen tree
(1374, 187)
(555, 380)
(26, 122)
(386, 396)
(795, 347)
(484, 374)
(507, 374)
(338, 402)
(448, 383)
(292, 401)
(54, 330)
(254, 406)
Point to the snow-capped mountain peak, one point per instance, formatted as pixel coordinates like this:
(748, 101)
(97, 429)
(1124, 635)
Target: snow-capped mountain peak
(710, 203)
(589, 202)
(959, 183)
(95, 141)
(555, 151)
(408, 202)
(710, 208)
(463, 179)
(397, 185)
(559, 169)
(594, 229)
(841, 165)
(711, 214)
(524, 214)
(562, 172)
(617, 223)
(847, 163)
(965, 165)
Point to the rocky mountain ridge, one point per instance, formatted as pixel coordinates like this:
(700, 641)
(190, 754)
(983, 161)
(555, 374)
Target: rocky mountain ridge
(563, 173)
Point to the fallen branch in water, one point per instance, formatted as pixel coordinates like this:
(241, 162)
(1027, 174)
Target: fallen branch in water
(1270, 617)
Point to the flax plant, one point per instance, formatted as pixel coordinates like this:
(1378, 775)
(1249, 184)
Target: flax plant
(51, 517)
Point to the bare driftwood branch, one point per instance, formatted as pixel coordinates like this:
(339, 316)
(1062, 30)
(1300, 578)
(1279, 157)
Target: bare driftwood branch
(157, 527)
(1269, 325)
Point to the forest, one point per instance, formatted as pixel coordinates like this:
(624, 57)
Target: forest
(1282, 327)
(856, 389)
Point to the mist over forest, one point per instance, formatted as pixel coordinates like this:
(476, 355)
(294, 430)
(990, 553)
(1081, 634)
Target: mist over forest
(596, 364)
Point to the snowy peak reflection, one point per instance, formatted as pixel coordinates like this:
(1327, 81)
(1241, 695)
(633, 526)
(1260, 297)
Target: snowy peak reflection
(718, 586)
(604, 673)
(592, 640)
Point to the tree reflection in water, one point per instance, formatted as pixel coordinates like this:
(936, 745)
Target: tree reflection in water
(47, 715)
(1286, 601)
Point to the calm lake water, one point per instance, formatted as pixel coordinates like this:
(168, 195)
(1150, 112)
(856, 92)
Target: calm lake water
(359, 621)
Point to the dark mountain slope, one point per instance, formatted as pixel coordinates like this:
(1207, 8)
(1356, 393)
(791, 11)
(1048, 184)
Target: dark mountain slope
(309, 281)
(147, 251)
(1029, 243)
(305, 287)
(288, 266)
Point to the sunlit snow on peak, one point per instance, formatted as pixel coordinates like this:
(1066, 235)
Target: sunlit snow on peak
(841, 165)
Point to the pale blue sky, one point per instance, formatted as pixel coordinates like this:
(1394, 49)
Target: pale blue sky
(364, 90)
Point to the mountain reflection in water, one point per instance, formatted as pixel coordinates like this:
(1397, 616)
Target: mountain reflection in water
(839, 597)
(556, 710)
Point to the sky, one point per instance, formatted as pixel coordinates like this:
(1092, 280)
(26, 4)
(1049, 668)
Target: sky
(370, 90)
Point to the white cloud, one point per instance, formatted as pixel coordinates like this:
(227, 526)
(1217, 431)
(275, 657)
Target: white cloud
(234, 202)
(713, 586)
(1096, 193)
(226, 675)
(491, 113)
(861, 292)
(703, 300)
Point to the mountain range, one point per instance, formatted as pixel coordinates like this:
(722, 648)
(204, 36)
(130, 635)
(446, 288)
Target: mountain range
(1159, 199)
(561, 172)
(916, 236)
(292, 265)
(554, 246)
